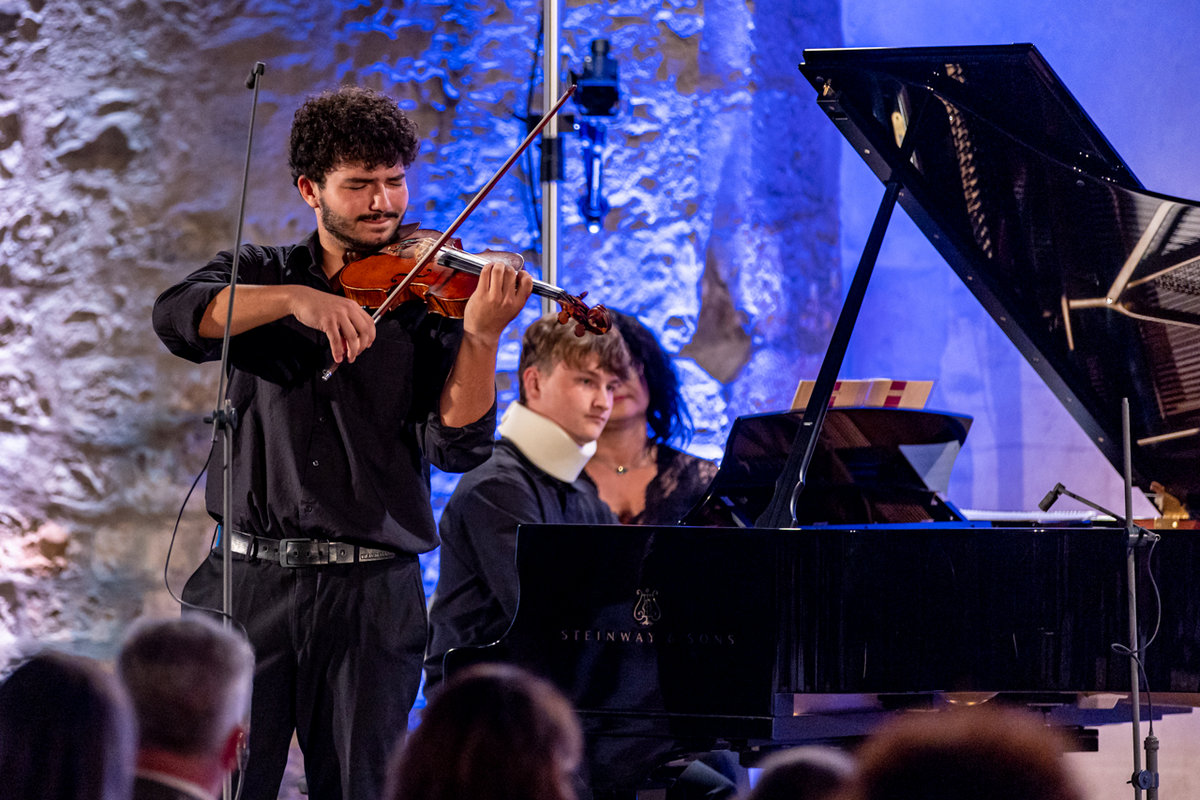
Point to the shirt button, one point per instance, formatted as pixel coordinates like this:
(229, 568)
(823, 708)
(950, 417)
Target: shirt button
(316, 463)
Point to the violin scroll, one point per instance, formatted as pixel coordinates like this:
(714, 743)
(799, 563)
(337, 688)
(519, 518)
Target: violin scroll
(595, 320)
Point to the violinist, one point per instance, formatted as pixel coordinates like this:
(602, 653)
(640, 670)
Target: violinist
(331, 499)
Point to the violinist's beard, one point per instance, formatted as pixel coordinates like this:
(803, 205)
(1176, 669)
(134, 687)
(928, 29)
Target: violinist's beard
(342, 229)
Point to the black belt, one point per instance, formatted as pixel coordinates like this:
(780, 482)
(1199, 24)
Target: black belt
(304, 552)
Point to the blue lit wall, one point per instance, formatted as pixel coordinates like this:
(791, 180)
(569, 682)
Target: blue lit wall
(735, 215)
(123, 130)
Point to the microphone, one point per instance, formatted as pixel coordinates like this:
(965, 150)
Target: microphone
(592, 205)
(597, 95)
(1051, 497)
(1059, 489)
(258, 69)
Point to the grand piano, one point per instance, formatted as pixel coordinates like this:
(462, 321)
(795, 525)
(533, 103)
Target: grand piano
(798, 620)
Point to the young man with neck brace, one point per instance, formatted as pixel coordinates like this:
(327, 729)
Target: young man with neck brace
(535, 474)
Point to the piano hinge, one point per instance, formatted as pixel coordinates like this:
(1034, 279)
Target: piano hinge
(830, 101)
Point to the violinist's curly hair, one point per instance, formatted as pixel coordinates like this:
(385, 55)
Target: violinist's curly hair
(351, 125)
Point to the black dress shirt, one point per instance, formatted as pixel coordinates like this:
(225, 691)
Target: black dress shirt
(476, 595)
(346, 458)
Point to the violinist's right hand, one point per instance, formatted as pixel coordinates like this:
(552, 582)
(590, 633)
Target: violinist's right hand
(349, 329)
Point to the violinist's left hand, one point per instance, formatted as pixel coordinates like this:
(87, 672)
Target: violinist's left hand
(471, 388)
(501, 294)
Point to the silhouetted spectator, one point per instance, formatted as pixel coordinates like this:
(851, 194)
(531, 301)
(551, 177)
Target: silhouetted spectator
(802, 773)
(190, 682)
(66, 732)
(978, 753)
(492, 732)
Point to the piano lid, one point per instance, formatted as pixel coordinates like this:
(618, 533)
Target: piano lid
(1094, 278)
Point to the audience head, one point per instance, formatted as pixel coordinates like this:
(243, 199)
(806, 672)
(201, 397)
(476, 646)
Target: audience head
(666, 413)
(512, 736)
(978, 753)
(802, 773)
(66, 732)
(570, 379)
(190, 680)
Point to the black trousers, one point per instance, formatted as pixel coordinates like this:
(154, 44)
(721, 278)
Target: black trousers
(339, 650)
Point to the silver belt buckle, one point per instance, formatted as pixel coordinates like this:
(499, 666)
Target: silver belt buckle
(303, 552)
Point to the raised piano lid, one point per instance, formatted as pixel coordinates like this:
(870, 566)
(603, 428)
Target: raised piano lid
(1095, 279)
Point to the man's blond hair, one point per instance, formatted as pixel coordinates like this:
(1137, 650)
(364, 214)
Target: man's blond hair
(548, 343)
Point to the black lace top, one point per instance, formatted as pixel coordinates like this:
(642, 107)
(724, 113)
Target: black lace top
(677, 486)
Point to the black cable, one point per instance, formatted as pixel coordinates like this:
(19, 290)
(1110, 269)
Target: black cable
(1144, 682)
(175, 534)
(532, 180)
(1157, 596)
(183, 603)
(171, 547)
(1136, 655)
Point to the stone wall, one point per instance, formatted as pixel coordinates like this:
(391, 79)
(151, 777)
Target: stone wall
(123, 132)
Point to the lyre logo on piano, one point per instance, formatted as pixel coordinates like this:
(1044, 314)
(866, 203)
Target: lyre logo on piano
(646, 611)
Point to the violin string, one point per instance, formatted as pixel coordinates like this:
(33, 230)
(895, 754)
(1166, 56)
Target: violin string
(469, 262)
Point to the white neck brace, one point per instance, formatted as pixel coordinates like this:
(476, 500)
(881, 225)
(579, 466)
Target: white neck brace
(542, 441)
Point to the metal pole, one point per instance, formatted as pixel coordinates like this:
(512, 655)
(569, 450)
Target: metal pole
(1135, 699)
(224, 418)
(1131, 587)
(551, 164)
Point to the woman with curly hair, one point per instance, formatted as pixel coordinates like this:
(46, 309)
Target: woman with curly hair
(642, 478)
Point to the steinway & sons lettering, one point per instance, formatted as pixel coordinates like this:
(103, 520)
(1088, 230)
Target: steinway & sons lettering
(648, 637)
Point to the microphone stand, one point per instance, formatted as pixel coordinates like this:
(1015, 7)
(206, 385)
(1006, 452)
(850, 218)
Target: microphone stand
(224, 416)
(1136, 536)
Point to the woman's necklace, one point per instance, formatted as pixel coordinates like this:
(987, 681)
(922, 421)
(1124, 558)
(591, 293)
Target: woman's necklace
(644, 457)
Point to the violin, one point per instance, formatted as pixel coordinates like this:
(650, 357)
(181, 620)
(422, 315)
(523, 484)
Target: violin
(446, 280)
